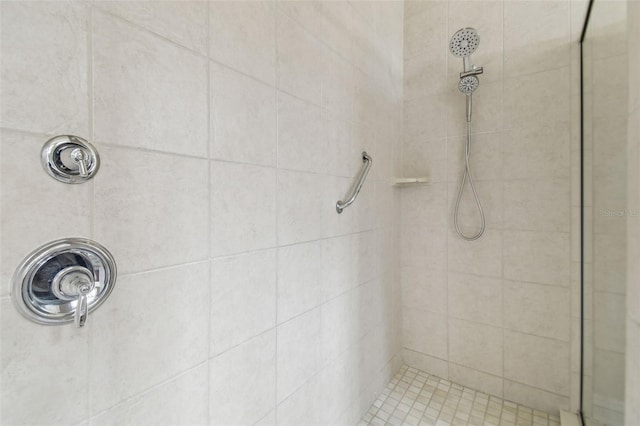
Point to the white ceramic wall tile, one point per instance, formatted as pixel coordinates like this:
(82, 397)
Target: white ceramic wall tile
(609, 321)
(337, 327)
(308, 14)
(243, 118)
(335, 383)
(243, 208)
(337, 266)
(424, 31)
(423, 76)
(27, 356)
(299, 279)
(537, 205)
(143, 210)
(424, 289)
(608, 379)
(300, 144)
(30, 196)
(299, 352)
(547, 309)
(182, 400)
(338, 153)
(44, 67)
(536, 152)
(536, 36)
(426, 118)
(476, 346)
(242, 36)
(299, 58)
(541, 257)
(425, 332)
(129, 351)
(299, 207)
(475, 298)
(476, 379)
(537, 361)
(338, 30)
(426, 363)
(268, 420)
(133, 69)
(424, 204)
(364, 307)
(364, 53)
(302, 407)
(338, 86)
(476, 257)
(424, 246)
(610, 261)
(537, 100)
(632, 394)
(366, 99)
(184, 22)
(542, 400)
(243, 298)
(242, 382)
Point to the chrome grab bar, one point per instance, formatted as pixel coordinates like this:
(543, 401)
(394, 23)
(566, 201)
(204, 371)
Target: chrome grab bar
(355, 190)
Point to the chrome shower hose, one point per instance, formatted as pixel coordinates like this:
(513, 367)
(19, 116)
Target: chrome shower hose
(467, 173)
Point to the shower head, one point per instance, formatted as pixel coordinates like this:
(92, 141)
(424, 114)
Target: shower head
(464, 42)
(468, 84)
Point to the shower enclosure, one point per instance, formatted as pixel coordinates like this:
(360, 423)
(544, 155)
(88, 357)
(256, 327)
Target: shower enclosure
(245, 295)
(610, 210)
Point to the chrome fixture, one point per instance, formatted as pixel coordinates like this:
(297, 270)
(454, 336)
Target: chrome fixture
(463, 43)
(70, 159)
(63, 281)
(367, 161)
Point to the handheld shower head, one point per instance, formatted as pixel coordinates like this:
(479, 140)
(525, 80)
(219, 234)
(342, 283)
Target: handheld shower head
(468, 84)
(463, 43)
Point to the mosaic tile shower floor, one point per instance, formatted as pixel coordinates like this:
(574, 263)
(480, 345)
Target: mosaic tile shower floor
(416, 398)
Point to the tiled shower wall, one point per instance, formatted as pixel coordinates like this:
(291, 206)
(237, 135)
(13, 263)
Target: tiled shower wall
(632, 390)
(227, 131)
(500, 314)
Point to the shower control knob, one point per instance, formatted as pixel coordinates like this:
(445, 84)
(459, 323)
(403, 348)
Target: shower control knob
(63, 281)
(81, 158)
(70, 159)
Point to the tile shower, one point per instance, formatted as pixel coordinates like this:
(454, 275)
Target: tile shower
(227, 131)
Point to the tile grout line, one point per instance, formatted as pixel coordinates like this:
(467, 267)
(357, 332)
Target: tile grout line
(210, 208)
(276, 95)
(92, 190)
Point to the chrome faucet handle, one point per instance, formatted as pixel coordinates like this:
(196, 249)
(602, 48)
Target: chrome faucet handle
(82, 310)
(70, 159)
(80, 157)
(74, 283)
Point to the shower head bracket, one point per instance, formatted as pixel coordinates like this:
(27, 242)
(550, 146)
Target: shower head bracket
(474, 71)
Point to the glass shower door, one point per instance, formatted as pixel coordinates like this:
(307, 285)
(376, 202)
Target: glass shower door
(605, 212)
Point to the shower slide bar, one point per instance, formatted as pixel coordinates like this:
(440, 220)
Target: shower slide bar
(355, 189)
